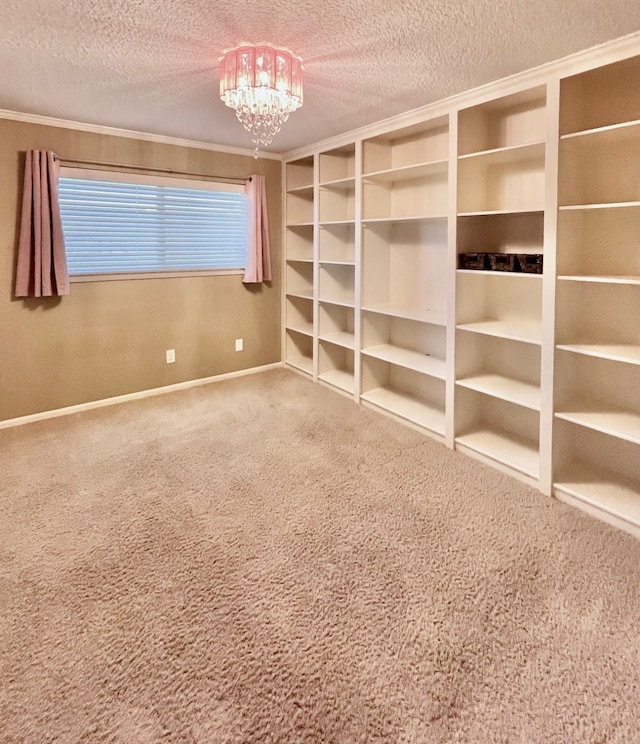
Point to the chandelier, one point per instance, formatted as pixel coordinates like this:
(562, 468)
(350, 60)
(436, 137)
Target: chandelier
(264, 85)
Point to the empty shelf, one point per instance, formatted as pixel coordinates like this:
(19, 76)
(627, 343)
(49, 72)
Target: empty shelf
(305, 330)
(410, 313)
(509, 329)
(505, 388)
(340, 338)
(518, 453)
(408, 407)
(339, 378)
(603, 489)
(629, 353)
(613, 279)
(592, 415)
(415, 360)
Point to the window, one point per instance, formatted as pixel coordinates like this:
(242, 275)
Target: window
(127, 224)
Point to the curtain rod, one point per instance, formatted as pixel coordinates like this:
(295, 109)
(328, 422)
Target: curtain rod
(130, 166)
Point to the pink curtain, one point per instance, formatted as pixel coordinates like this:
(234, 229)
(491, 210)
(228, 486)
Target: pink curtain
(42, 260)
(258, 267)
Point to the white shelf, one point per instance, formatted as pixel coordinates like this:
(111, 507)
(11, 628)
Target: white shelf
(511, 154)
(615, 352)
(520, 454)
(340, 379)
(415, 218)
(307, 223)
(300, 260)
(612, 279)
(339, 338)
(621, 424)
(339, 183)
(489, 212)
(528, 332)
(407, 407)
(409, 359)
(302, 364)
(342, 301)
(397, 311)
(486, 272)
(408, 172)
(505, 388)
(306, 331)
(328, 223)
(602, 489)
(305, 190)
(600, 205)
(303, 294)
(337, 263)
(626, 130)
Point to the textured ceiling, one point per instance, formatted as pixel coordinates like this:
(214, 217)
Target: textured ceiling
(152, 65)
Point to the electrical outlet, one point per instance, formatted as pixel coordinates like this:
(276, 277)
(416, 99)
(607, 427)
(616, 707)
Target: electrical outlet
(171, 356)
(239, 344)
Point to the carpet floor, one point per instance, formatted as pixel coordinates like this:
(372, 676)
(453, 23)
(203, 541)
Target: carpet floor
(260, 561)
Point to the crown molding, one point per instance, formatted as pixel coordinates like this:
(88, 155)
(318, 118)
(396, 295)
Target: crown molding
(586, 59)
(80, 126)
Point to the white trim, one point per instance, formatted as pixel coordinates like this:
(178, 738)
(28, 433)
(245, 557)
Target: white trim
(586, 59)
(81, 126)
(34, 417)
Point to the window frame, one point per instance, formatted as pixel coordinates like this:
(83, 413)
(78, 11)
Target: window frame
(97, 174)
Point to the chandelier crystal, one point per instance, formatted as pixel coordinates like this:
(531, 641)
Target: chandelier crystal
(264, 85)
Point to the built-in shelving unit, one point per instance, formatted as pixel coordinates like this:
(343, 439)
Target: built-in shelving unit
(299, 265)
(477, 275)
(501, 199)
(597, 379)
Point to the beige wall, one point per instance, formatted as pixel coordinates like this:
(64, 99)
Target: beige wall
(109, 338)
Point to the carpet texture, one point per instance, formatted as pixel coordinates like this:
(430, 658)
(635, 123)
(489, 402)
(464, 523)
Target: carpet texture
(261, 561)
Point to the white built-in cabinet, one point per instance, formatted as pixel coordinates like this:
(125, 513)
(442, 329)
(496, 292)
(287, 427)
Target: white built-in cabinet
(388, 298)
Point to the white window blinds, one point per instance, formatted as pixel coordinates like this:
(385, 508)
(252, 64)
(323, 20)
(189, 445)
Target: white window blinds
(146, 224)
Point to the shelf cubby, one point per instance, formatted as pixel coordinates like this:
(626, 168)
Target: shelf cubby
(498, 304)
(337, 203)
(601, 97)
(599, 320)
(503, 123)
(299, 174)
(337, 243)
(299, 243)
(335, 366)
(598, 472)
(598, 394)
(499, 430)
(601, 168)
(403, 269)
(299, 279)
(501, 233)
(599, 244)
(337, 284)
(406, 343)
(338, 164)
(299, 314)
(406, 198)
(505, 369)
(299, 350)
(411, 395)
(300, 208)
(421, 143)
(336, 325)
(502, 181)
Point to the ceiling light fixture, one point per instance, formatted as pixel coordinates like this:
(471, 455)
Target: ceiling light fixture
(264, 85)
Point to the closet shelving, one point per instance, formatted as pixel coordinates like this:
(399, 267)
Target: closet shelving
(501, 196)
(336, 268)
(299, 264)
(597, 380)
(373, 229)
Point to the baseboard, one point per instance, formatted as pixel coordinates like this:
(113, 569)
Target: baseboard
(32, 418)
